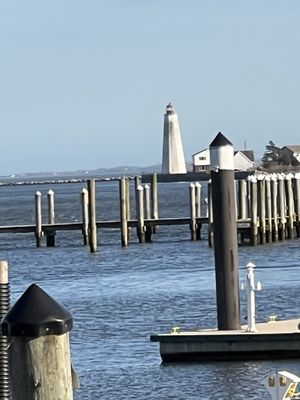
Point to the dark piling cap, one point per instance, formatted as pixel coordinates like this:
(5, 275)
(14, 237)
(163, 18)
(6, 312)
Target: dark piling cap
(36, 314)
(220, 140)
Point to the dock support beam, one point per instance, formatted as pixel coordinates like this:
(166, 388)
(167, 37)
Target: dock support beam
(38, 218)
(225, 233)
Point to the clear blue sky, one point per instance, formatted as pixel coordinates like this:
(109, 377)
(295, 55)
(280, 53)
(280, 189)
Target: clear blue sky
(84, 84)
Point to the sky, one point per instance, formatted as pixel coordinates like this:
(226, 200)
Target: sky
(84, 83)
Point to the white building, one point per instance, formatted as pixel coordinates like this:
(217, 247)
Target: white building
(243, 160)
(173, 161)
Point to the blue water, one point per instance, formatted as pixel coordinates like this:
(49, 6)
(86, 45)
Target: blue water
(119, 296)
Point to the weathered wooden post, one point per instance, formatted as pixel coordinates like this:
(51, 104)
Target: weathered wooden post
(192, 211)
(85, 215)
(297, 200)
(261, 191)
(210, 216)
(140, 214)
(154, 194)
(198, 209)
(50, 239)
(123, 211)
(274, 191)
(148, 228)
(4, 307)
(128, 208)
(282, 206)
(290, 205)
(254, 228)
(242, 190)
(92, 215)
(269, 208)
(225, 233)
(40, 365)
(38, 218)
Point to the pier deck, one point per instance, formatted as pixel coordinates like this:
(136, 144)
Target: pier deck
(272, 340)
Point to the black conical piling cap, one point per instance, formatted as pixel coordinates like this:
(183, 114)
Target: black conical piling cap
(36, 314)
(220, 140)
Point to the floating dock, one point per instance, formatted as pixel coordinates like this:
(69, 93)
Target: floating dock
(271, 340)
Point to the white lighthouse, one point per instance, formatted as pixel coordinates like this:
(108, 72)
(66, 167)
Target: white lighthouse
(173, 161)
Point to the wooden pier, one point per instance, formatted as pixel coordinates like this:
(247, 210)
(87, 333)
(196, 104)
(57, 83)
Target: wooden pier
(267, 210)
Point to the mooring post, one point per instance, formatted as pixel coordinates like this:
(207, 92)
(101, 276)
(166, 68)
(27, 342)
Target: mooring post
(261, 190)
(85, 215)
(269, 209)
(40, 362)
(128, 208)
(210, 216)
(92, 215)
(38, 218)
(290, 205)
(242, 190)
(297, 198)
(225, 233)
(4, 308)
(140, 214)
(148, 228)
(123, 212)
(154, 194)
(198, 209)
(254, 228)
(192, 211)
(274, 192)
(50, 239)
(282, 206)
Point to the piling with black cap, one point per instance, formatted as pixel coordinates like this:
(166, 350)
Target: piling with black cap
(4, 307)
(225, 233)
(40, 366)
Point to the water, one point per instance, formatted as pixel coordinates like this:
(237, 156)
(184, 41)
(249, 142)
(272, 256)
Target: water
(119, 296)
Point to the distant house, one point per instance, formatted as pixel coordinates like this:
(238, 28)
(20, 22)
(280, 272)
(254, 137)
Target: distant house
(201, 161)
(243, 160)
(290, 154)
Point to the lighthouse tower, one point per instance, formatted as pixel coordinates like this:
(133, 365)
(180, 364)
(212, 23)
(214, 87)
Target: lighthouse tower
(173, 161)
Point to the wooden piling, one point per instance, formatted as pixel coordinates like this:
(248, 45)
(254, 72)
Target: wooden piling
(123, 211)
(198, 209)
(290, 206)
(242, 191)
(40, 362)
(50, 239)
(140, 214)
(269, 220)
(297, 201)
(148, 229)
(85, 216)
(92, 215)
(282, 207)
(225, 234)
(261, 192)
(5, 390)
(274, 192)
(254, 221)
(128, 207)
(210, 216)
(38, 218)
(192, 212)
(154, 198)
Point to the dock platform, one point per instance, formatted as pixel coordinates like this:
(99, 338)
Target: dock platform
(271, 340)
